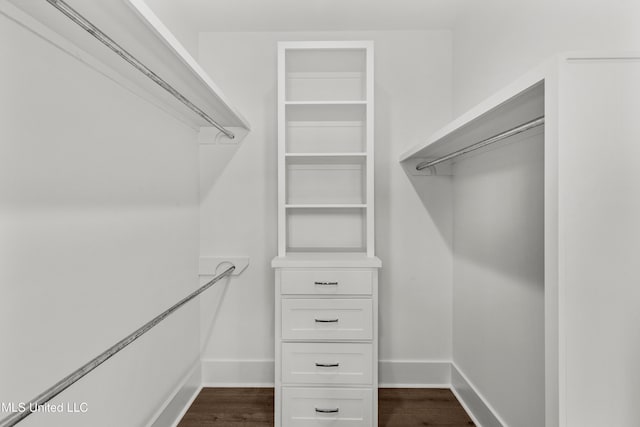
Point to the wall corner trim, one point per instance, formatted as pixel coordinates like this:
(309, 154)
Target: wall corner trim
(173, 409)
(393, 374)
(480, 411)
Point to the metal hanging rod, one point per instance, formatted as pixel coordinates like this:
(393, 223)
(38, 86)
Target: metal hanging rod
(70, 379)
(503, 135)
(120, 51)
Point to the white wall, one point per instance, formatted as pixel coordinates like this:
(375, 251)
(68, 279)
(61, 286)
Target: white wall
(498, 296)
(599, 243)
(172, 14)
(98, 234)
(496, 41)
(238, 215)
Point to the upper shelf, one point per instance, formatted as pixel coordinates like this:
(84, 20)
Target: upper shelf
(516, 104)
(132, 25)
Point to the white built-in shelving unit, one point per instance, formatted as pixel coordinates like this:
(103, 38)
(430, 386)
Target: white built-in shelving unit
(325, 147)
(326, 272)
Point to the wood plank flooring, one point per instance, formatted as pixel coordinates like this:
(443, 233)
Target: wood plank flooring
(397, 407)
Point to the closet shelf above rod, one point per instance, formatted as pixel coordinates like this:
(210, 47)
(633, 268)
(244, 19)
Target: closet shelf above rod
(155, 66)
(515, 109)
(488, 141)
(103, 38)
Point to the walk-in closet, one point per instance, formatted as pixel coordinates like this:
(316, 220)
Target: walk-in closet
(255, 213)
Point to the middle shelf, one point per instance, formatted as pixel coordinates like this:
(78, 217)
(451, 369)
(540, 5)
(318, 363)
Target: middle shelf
(322, 179)
(320, 128)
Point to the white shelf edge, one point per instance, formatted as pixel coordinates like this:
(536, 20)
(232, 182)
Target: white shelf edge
(525, 82)
(325, 206)
(327, 259)
(333, 44)
(325, 102)
(162, 32)
(600, 55)
(315, 154)
(46, 23)
(331, 75)
(324, 123)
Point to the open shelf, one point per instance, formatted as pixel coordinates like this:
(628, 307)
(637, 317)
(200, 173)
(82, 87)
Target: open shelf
(319, 128)
(325, 184)
(137, 29)
(325, 146)
(328, 102)
(323, 155)
(326, 206)
(326, 230)
(325, 75)
(325, 180)
(507, 109)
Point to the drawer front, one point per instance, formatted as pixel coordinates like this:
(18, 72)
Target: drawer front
(326, 282)
(322, 407)
(327, 319)
(327, 363)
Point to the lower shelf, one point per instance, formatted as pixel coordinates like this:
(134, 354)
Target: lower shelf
(326, 229)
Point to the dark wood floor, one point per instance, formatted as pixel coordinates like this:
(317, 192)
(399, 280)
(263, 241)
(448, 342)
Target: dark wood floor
(397, 407)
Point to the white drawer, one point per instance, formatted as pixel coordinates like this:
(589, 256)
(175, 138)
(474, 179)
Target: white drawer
(323, 282)
(327, 319)
(327, 363)
(322, 407)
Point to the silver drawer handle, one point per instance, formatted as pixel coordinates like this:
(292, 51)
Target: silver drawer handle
(327, 365)
(328, 411)
(327, 320)
(326, 283)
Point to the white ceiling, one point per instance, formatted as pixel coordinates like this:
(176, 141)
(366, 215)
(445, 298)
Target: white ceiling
(309, 15)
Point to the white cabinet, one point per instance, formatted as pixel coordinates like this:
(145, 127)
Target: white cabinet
(326, 350)
(326, 273)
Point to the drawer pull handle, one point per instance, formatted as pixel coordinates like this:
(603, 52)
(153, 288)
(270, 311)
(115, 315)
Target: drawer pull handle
(328, 411)
(326, 283)
(327, 320)
(327, 365)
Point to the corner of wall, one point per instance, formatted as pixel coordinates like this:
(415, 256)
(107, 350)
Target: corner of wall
(482, 414)
(179, 401)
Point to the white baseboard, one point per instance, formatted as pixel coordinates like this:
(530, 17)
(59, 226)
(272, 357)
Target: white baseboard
(174, 408)
(414, 374)
(392, 374)
(482, 414)
(237, 373)
(260, 373)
